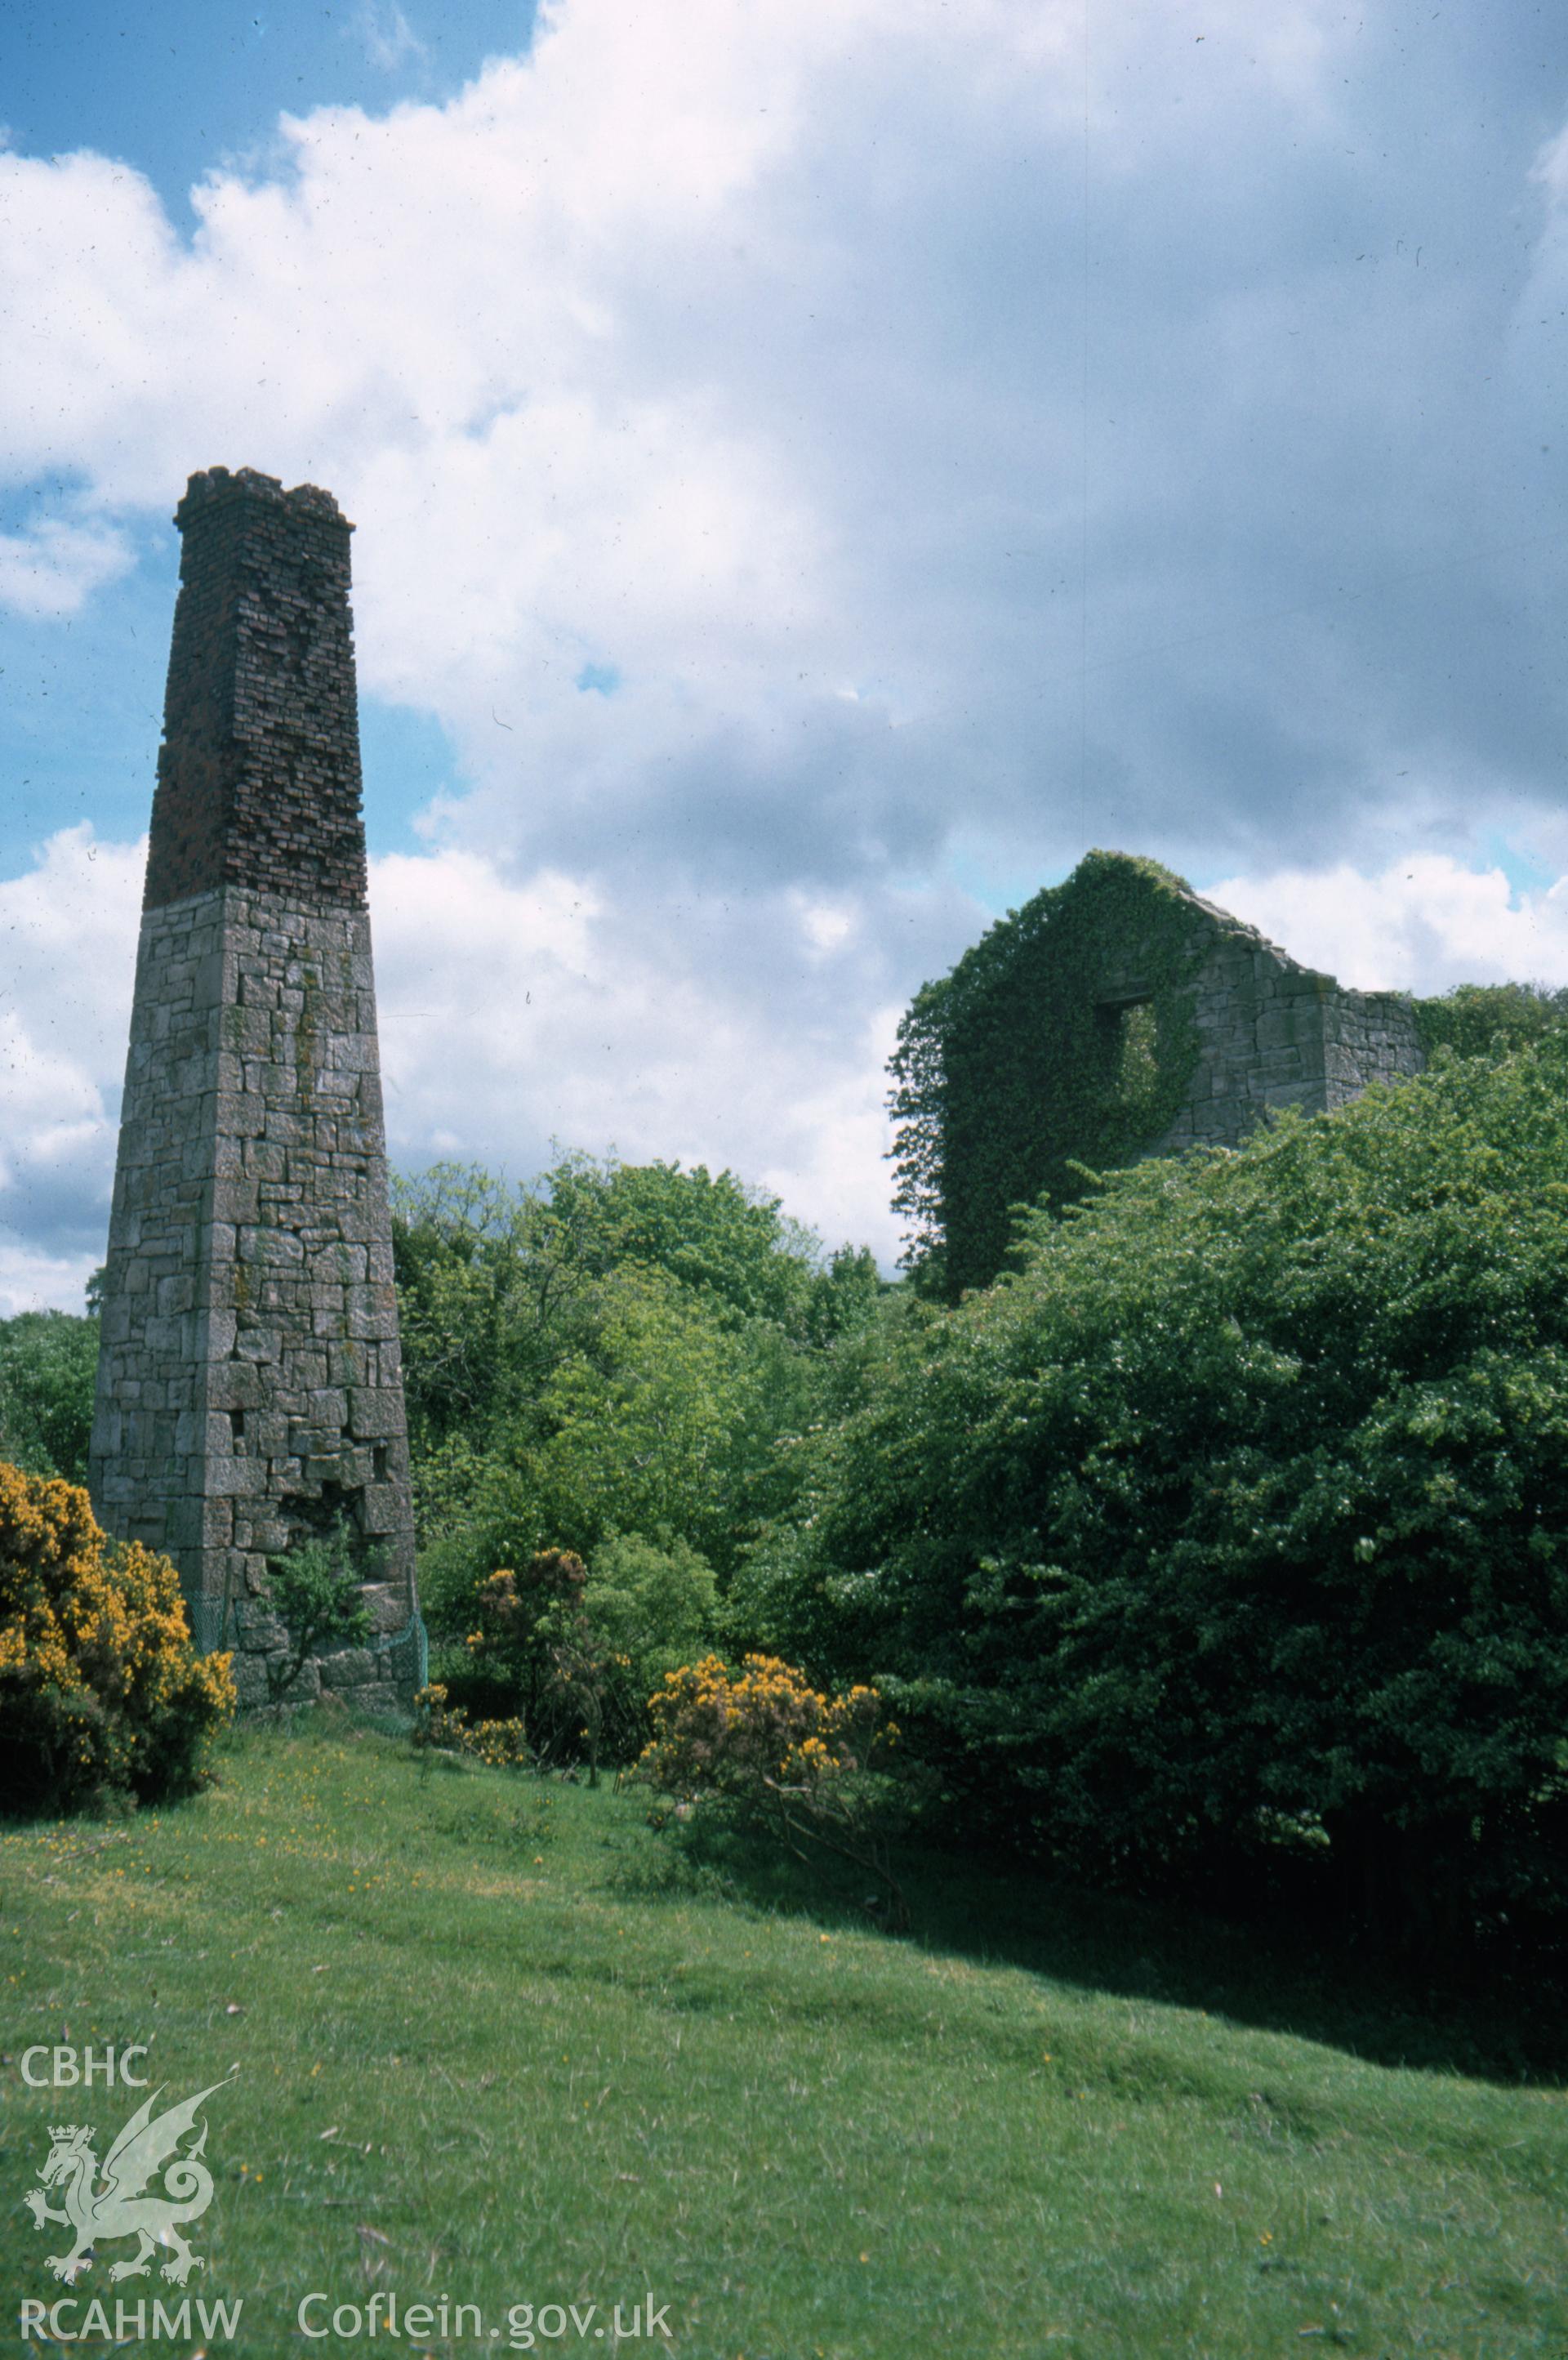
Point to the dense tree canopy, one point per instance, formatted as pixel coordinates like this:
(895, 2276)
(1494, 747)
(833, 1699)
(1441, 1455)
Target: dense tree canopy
(1229, 1524)
(1242, 1507)
(615, 1350)
(1474, 1017)
(49, 1363)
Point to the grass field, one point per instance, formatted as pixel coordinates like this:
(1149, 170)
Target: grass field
(502, 2043)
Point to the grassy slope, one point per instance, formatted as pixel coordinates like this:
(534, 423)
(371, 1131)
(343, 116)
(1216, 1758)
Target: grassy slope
(498, 2042)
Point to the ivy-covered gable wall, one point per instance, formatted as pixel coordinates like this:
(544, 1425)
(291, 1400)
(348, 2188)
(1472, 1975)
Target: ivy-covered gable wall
(1116, 1015)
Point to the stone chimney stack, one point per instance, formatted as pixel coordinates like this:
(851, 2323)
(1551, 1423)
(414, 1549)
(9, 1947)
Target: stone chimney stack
(250, 1388)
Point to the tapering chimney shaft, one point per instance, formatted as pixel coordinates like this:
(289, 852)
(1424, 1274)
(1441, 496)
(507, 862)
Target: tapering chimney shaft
(249, 1380)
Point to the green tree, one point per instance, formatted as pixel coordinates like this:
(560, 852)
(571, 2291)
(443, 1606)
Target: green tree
(498, 1284)
(485, 1302)
(615, 1348)
(652, 1606)
(654, 1603)
(1472, 1017)
(653, 1421)
(729, 1244)
(846, 1296)
(48, 1364)
(1239, 1513)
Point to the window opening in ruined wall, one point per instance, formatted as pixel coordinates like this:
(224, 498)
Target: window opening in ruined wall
(1130, 1045)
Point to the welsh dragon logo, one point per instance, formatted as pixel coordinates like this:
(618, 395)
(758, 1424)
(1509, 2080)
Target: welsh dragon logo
(119, 2206)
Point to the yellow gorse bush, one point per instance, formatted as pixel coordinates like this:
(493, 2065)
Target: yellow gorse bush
(763, 1726)
(101, 1689)
(443, 1727)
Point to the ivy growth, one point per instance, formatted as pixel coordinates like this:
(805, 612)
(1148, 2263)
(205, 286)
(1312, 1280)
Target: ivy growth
(1470, 1019)
(1065, 1038)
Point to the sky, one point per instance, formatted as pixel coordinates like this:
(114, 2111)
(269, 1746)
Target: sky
(819, 467)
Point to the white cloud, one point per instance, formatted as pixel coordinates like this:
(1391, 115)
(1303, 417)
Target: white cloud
(826, 923)
(751, 359)
(516, 1013)
(68, 936)
(512, 1014)
(31, 1281)
(53, 566)
(68, 942)
(635, 349)
(1421, 924)
(389, 39)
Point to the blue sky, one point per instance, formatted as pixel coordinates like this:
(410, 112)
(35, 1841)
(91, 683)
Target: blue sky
(814, 476)
(178, 93)
(182, 89)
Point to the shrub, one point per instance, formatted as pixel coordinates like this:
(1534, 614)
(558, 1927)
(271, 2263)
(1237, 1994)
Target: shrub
(581, 1647)
(442, 1727)
(761, 1730)
(773, 1750)
(1473, 1016)
(533, 1631)
(102, 1694)
(1242, 1505)
(315, 1592)
(652, 1606)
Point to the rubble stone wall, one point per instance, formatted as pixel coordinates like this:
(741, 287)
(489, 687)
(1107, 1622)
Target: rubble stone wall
(1273, 1033)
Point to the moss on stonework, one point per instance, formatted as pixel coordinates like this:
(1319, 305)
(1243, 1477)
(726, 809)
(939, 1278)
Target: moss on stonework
(1065, 1037)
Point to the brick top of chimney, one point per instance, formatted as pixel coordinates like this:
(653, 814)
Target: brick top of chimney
(258, 777)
